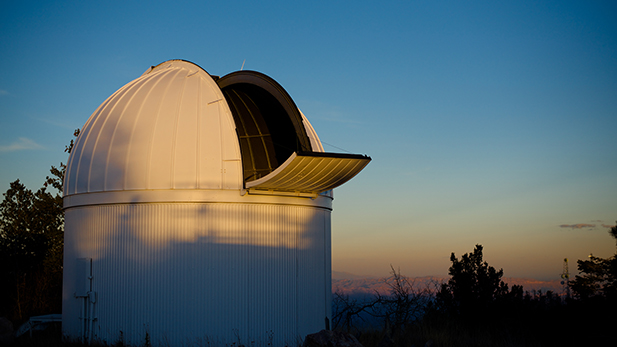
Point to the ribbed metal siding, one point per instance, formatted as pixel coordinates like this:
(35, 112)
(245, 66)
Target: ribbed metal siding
(187, 272)
(165, 130)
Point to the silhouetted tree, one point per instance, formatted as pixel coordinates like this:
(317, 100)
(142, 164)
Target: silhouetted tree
(613, 232)
(31, 247)
(30, 251)
(348, 313)
(598, 276)
(404, 304)
(473, 285)
(386, 314)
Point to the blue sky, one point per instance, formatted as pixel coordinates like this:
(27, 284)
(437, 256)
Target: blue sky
(487, 123)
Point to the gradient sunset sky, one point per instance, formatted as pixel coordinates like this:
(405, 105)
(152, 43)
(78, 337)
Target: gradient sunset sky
(492, 124)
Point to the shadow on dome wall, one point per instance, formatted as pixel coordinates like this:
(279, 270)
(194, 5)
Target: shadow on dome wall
(144, 268)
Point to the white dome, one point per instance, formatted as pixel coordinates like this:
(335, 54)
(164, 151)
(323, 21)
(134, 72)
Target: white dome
(171, 128)
(168, 129)
(178, 128)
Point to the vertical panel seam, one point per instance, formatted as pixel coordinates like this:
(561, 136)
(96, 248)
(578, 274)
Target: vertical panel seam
(175, 134)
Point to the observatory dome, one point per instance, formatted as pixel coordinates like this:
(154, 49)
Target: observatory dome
(178, 128)
(199, 207)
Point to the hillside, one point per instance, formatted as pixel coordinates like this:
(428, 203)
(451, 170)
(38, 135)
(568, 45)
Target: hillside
(347, 283)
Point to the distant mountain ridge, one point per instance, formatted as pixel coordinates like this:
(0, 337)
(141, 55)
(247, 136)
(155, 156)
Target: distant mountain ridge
(341, 275)
(347, 283)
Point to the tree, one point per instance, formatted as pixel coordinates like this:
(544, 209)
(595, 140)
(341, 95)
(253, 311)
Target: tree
(31, 247)
(31, 226)
(473, 287)
(392, 312)
(404, 304)
(598, 278)
(347, 311)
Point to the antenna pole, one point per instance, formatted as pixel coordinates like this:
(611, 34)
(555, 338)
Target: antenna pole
(565, 278)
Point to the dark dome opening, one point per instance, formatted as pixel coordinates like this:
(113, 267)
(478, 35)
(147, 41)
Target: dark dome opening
(268, 123)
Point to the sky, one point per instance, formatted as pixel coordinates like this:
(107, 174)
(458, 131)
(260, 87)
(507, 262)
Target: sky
(488, 123)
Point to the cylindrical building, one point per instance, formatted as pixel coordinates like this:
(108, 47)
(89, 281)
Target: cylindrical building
(197, 211)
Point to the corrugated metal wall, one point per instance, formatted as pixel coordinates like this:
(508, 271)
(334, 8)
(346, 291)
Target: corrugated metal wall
(192, 273)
